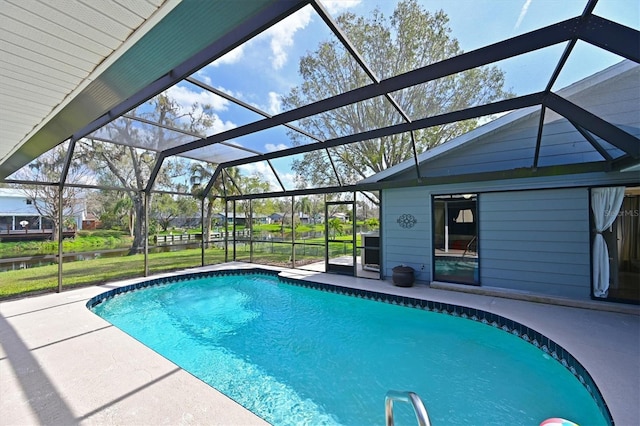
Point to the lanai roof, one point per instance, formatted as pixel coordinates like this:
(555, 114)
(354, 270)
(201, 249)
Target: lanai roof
(109, 58)
(510, 143)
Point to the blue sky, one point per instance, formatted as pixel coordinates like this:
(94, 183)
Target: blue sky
(265, 68)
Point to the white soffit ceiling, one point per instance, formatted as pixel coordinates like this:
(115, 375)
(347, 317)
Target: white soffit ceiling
(51, 50)
(66, 63)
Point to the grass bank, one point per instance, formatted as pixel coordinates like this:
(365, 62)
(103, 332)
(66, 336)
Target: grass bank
(98, 271)
(28, 281)
(99, 240)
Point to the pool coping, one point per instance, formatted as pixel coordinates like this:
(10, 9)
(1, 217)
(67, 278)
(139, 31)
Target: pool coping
(613, 367)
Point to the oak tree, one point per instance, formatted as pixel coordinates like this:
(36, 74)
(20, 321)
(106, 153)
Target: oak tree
(410, 38)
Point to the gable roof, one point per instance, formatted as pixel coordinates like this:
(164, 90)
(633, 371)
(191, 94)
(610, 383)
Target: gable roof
(12, 193)
(510, 141)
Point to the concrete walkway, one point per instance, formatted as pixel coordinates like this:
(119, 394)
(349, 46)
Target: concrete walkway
(61, 364)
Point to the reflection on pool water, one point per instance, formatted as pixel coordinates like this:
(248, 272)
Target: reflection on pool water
(456, 269)
(295, 355)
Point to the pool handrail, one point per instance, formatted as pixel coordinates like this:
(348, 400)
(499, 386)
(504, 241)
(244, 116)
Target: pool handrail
(410, 397)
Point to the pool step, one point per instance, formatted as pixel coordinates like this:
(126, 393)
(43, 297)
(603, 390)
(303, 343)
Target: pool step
(410, 397)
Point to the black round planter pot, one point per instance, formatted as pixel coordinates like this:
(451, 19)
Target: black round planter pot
(403, 276)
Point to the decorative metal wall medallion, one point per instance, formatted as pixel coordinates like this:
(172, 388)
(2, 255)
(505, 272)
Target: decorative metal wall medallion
(407, 220)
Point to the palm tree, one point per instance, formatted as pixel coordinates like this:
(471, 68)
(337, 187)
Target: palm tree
(303, 205)
(335, 225)
(200, 175)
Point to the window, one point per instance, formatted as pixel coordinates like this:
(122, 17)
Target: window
(455, 238)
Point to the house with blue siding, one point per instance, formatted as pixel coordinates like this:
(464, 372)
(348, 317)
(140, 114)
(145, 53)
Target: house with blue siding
(530, 202)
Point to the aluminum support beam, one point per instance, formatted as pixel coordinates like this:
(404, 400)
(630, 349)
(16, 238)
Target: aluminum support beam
(591, 122)
(524, 172)
(473, 112)
(538, 39)
(605, 155)
(363, 64)
(612, 37)
(154, 172)
(60, 237)
(145, 234)
(536, 154)
(63, 178)
(569, 48)
(247, 106)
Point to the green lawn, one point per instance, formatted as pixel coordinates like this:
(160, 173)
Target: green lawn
(99, 271)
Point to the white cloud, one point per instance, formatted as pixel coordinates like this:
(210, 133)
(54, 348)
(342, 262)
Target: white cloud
(337, 6)
(288, 180)
(263, 170)
(260, 169)
(220, 125)
(275, 104)
(204, 77)
(523, 12)
(273, 147)
(282, 33)
(186, 97)
(230, 57)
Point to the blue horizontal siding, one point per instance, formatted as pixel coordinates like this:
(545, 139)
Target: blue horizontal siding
(407, 246)
(575, 258)
(537, 237)
(536, 241)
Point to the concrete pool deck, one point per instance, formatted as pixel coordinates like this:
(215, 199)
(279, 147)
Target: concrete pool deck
(61, 364)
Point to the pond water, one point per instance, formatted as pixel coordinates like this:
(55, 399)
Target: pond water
(44, 260)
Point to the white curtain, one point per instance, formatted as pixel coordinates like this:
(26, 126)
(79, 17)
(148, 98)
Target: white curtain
(605, 204)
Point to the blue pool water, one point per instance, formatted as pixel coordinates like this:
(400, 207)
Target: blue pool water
(297, 356)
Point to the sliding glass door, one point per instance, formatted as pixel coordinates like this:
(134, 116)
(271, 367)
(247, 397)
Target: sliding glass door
(455, 238)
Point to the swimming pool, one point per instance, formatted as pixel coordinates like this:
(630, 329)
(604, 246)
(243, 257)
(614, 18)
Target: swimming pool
(295, 355)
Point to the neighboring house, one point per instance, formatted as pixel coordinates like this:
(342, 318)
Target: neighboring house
(339, 215)
(279, 217)
(241, 220)
(493, 210)
(276, 217)
(304, 218)
(91, 222)
(16, 207)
